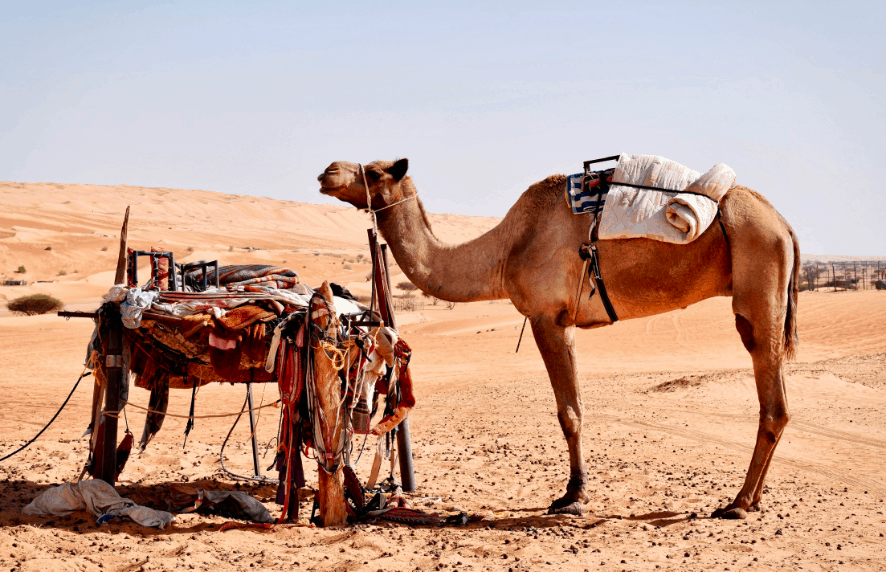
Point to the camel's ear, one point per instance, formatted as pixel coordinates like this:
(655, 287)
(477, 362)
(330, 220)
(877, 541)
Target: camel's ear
(326, 291)
(398, 169)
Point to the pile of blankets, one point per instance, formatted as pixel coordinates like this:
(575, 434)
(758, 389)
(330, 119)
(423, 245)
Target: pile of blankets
(248, 278)
(681, 208)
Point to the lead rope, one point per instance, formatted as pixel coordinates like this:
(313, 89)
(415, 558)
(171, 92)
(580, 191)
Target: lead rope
(369, 200)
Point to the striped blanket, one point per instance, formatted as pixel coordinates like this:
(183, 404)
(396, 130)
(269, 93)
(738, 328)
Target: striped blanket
(588, 194)
(249, 278)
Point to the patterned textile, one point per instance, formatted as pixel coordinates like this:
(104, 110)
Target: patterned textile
(162, 275)
(159, 401)
(237, 276)
(588, 194)
(404, 398)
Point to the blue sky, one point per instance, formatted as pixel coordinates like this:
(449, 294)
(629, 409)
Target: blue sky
(483, 98)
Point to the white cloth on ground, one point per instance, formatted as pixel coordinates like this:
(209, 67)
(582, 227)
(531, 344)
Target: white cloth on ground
(97, 497)
(673, 216)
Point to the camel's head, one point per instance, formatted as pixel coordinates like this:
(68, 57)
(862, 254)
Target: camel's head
(323, 313)
(344, 181)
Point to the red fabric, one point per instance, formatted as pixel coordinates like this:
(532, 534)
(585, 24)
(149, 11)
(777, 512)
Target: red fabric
(162, 276)
(407, 398)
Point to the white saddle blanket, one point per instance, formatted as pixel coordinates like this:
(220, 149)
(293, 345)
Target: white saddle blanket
(677, 217)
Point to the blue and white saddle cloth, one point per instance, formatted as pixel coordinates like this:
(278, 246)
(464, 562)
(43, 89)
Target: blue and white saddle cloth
(587, 195)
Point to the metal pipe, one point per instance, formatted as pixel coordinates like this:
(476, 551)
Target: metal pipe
(404, 442)
(254, 439)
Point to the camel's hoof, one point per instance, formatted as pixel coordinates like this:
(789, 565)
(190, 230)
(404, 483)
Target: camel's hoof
(575, 508)
(730, 514)
(755, 508)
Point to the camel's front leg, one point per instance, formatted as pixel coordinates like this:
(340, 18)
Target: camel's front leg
(557, 347)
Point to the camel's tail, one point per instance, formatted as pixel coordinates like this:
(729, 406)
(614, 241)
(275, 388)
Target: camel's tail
(791, 339)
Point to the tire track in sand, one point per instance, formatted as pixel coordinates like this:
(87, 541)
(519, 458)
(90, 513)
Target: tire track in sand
(823, 470)
(796, 425)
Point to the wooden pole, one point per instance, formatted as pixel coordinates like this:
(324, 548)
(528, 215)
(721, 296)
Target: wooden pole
(121, 258)
(380, 282)
(106, 462)
(112, 342)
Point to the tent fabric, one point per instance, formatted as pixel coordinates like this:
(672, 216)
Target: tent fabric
(97, 497)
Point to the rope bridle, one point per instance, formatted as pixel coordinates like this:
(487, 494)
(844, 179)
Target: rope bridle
(373, 211)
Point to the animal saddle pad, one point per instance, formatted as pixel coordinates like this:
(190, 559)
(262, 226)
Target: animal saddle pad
(680, 207)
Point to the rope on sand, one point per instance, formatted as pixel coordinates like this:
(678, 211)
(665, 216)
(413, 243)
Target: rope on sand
(57, 413)
(149, 410)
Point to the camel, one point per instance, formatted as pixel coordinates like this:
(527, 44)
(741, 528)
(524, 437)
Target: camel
(531, 257)
(331, 492)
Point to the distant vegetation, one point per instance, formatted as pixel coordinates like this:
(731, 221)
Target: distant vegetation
(21, 270)
(34, 304)
(407, 287)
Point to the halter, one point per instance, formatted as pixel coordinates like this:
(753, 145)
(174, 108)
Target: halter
(371, 210)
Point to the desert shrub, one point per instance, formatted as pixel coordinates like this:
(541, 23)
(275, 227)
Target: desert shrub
(407, 287)
(347, 267)
(450, 305)
(62, 272)
(34, 304)
(359, 257)
(21, 270)
(434, 299)
(104, 248)
(189, 249)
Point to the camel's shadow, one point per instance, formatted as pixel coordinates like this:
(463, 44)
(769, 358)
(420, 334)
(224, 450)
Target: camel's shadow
(17, 494)
(540, 519)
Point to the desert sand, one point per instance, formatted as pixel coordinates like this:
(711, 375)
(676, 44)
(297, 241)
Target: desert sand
(671, 416)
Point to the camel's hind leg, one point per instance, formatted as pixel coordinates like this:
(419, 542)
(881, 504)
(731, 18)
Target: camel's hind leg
(557, 347)
(760, 303)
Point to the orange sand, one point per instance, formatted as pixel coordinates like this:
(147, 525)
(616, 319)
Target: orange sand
(670, 410)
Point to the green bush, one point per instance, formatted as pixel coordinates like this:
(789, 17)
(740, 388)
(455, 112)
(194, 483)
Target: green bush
(34, 304)
(21, 270)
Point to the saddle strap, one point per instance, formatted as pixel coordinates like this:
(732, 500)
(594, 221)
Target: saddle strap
(588, 251)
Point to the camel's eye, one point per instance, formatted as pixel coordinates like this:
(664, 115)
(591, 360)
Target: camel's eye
(373, 176)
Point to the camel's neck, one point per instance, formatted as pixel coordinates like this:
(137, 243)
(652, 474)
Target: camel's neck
(456, 272)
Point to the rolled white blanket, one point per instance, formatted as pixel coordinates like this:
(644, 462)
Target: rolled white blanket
(669, 216)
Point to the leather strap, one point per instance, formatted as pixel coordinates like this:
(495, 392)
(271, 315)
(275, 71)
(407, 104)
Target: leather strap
(588, 251)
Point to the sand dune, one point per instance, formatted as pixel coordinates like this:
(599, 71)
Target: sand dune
(670, 402)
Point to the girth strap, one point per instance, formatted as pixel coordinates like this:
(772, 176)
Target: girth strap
(588, 251)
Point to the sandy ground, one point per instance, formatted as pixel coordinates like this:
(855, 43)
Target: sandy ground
(670, 417)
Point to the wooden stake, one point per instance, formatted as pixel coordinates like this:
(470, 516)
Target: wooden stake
(112, 362)
(121, 258)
